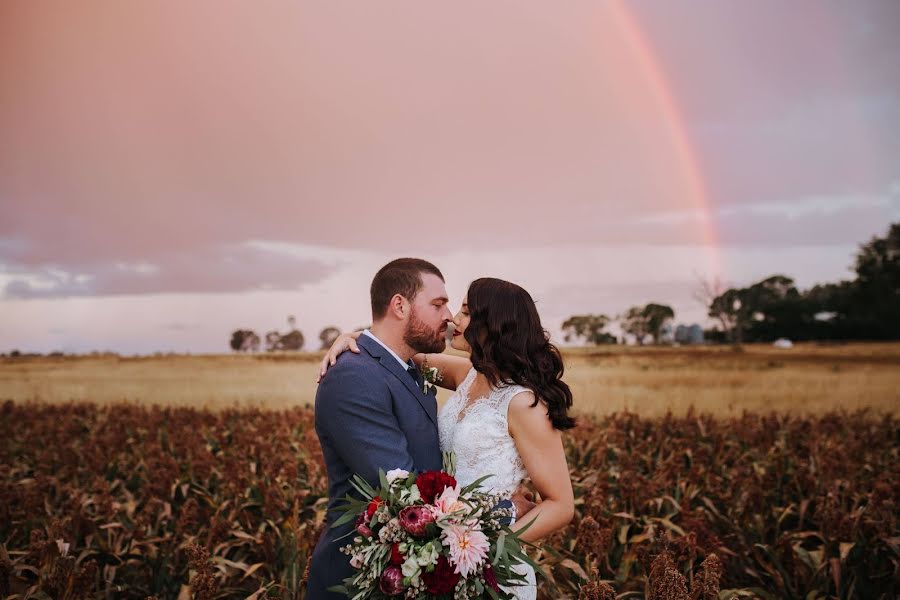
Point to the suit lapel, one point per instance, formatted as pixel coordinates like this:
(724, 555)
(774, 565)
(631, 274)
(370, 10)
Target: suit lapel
(426, 401)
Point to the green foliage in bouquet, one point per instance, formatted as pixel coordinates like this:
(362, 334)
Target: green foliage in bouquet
(424, 536)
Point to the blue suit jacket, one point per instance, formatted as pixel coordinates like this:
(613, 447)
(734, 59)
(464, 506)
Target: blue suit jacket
(370, 415)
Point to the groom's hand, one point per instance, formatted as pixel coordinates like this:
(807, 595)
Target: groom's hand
(523, 500)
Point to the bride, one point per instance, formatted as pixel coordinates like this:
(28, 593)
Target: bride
(508, 408)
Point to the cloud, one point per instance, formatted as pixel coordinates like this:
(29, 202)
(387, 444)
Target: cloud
(224, 268)
(799, 104)
(836, 219)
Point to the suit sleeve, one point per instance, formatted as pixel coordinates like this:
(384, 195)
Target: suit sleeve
(356, 412)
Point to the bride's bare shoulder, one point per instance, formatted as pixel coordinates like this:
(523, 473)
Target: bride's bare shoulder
(525, 413)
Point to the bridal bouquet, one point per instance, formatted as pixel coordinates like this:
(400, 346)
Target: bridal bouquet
(422, 536)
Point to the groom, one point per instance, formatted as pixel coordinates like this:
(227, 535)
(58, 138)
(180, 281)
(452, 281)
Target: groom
(371, 412)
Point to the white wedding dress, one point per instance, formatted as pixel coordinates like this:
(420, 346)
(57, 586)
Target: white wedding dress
(476, 430)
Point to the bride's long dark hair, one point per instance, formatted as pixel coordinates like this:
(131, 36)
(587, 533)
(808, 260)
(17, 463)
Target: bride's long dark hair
(509, 345)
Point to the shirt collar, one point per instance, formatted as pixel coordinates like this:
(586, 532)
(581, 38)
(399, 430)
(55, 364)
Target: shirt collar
(406, 365)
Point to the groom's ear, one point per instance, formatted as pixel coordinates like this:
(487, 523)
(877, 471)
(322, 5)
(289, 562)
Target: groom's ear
(398, 306)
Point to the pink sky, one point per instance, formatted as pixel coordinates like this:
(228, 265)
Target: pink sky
(172, 171)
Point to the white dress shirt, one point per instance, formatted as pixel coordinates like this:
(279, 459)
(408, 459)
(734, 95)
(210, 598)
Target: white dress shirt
(405, 364)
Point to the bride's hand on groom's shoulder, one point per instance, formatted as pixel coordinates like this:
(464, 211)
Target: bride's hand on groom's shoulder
(344, 342)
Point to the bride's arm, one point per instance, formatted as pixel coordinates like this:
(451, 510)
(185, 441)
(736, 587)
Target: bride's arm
(452, 369)
(541, 449)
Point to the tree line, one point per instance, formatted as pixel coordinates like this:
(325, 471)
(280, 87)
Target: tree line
(247, 340)
(866, 307)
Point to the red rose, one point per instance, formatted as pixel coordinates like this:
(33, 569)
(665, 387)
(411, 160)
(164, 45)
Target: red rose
(442, 580)
(396, 557)
(490, 578)
(373, 506)
(432, 484)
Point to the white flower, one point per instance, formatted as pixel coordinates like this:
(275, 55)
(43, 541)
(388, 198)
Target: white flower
(428, 554)
(411, 569)
(395, 474)
(410, 496)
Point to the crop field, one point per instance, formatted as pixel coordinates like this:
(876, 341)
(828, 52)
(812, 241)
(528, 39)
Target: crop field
(201, 477)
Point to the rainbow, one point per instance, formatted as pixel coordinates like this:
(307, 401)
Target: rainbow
(685, 153)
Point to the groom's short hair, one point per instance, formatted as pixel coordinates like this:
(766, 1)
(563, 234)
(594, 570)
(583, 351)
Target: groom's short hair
(401, 276)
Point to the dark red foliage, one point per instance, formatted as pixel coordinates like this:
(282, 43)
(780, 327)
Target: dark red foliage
(443, 579)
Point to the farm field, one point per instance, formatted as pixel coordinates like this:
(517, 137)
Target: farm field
(201, 476)
(807, 379)
(130, 501)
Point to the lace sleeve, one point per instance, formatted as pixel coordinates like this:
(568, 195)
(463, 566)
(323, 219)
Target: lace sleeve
(508, 394)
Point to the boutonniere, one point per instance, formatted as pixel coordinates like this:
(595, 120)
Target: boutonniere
(430, 377)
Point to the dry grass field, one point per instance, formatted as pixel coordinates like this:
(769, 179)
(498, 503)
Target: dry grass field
(649, 381)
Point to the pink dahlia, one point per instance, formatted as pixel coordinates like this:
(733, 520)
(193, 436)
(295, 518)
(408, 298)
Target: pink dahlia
(468, 547)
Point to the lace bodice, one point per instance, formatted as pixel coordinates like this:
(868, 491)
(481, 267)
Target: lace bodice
(479, 436)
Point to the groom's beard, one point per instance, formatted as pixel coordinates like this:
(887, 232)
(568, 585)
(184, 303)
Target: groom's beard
(422, 338)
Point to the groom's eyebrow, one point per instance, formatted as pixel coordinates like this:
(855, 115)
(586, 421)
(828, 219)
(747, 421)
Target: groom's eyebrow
(442, 299)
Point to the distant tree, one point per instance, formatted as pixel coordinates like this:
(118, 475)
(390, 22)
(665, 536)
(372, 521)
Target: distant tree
(237, 338)
(738, 308)
(831, 297)
(328, 335)
(768, 310)
(730, 309)
(779, 310)
(715, 335)
(292, 340)
(635, 322)
(251, 342)
(587, 328)
(244, 340)
(648, 320)
(657, 315)
(707, 290)
(273, 341)
(723, 304)
(875, 301)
